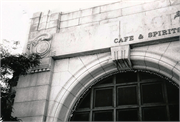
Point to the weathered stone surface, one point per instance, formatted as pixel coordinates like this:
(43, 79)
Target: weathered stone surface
(54, 23)
(89, 37)
(32, 119)
(29, 109)
(36, 20)
(81, 50)
(44, 19)
(54, 16)
(61, 78)
(37, 14)
(69, 23)
(69, 16)
(110, 7)
(96, 10)
(75, 64)
(41, 93)
(42, 26)
(61, 65)
(34, 27)
(172, 51)
(86, 12)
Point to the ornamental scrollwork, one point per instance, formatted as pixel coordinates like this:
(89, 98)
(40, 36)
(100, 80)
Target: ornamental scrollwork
(40, 44)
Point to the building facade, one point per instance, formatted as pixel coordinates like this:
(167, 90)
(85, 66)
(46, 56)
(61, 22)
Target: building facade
(130, 43)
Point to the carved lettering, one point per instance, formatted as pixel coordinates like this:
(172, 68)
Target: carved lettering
(150, 35)
(131, 38)
(125, 39)
(120, 40)
(178, 29)
(140, 36)
(116, 40)
(159, 32)
(164, 32)
(169, 31)
(174, 30)
(155, 33)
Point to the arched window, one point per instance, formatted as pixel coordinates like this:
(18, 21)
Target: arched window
(130, 96)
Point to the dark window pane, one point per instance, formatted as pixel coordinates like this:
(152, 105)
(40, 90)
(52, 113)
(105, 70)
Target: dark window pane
(173, 93)
(103, 97)
(127, 115)
(145, 76)
(152, 93)
(174, 112)
(127, 96)
(154, 114)
(108, 80)
(85, 102)
(126, 77)
(103, 116)
(80, 116)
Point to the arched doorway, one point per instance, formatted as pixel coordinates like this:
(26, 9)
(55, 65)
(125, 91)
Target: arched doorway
(129, 96)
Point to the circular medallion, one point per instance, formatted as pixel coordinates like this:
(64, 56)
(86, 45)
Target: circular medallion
(42, 48)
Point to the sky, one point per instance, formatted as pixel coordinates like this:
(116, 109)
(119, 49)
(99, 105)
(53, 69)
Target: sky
(15, 15)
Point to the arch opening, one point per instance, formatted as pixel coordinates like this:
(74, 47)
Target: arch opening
(109, 68)
(129, 96)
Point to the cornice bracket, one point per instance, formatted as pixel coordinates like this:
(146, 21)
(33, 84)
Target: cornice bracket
(121, 57)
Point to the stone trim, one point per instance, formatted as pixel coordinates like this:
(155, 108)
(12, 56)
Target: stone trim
(96, 77)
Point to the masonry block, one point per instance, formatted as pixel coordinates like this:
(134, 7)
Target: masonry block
(35, 20)
(75, 64)
(34, 27)
(52, 30)
(96, 10)
(86, 12)
(33, 34)
(42, 26)
(54, 23)
(71, 15)
(55, 16)
(37, 14)
(61, 78)
(69, 23)
(32, 119)
(44, 19)
(132, 10)
(51, 111)
(33, 108)
(43, 78)
(110, 7)
(61, 65)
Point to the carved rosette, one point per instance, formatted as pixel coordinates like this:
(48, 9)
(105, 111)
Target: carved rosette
(40, 44)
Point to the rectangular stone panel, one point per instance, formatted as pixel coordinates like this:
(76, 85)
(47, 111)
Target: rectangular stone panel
(54, 16)
(37, 14)
(31, 93)
(28, 109)
(71, 15)
(89, 37)
(69, 23)
(54, 23)
(34, 27)
(42, 26)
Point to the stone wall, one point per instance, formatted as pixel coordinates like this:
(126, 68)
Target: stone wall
(77, 51)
